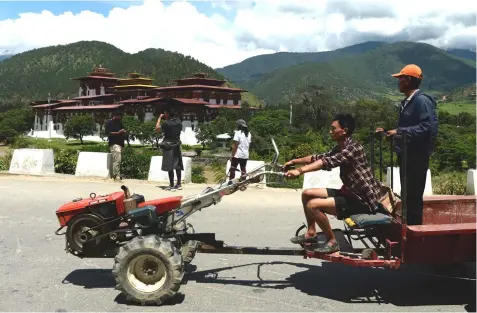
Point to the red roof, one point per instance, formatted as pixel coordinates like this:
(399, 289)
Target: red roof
(190, 101)
(46, 105)
(96, 77)
(93, 97)
(198, 87)
(89, 107)
(137, 100)
(223, 106)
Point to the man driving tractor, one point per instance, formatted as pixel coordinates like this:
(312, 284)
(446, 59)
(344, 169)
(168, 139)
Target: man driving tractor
(360, 192)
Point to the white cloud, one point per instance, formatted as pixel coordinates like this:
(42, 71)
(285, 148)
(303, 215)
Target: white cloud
(265, 26)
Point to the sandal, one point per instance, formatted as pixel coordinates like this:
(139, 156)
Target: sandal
(329, 248)
(302, 239)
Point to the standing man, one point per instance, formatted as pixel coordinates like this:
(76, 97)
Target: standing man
(171, 147)
(418, 119)
(116, 136)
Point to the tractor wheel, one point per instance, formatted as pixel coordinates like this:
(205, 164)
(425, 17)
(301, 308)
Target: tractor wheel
(148, 270)
(189, 249)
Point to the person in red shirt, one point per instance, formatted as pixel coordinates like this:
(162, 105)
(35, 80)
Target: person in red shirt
(359, 194)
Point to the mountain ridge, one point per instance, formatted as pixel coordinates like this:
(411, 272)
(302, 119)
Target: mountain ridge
(254, 67)
(366, 75)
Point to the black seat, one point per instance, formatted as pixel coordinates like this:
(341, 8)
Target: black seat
(367, 220)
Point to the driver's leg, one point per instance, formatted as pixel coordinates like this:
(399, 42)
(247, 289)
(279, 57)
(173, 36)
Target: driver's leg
(306, 196)
(317, 209)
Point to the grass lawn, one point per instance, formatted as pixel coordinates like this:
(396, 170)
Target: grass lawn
(458, 107)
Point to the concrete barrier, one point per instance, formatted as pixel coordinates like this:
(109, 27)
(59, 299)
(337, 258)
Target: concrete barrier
(323, 179)
(251, 165)
(32, 162)
(471, 182)
(160, 176)
(397, 181)
(94, 164)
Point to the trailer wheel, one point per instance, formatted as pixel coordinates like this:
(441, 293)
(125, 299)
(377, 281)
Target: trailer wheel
(148, 270)
(189, 249)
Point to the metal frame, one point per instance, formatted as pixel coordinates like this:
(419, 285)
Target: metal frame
(208, 243)
(212, 196)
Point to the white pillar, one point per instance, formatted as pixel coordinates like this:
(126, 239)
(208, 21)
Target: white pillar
(50, 124)
(148, 116)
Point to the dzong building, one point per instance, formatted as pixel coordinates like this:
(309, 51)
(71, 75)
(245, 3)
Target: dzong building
(197, 99)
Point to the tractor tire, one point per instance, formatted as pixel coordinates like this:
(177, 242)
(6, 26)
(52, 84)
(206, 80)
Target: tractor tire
(189, 249)
(148, 270)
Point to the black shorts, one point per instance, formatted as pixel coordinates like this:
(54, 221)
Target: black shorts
(346, 205)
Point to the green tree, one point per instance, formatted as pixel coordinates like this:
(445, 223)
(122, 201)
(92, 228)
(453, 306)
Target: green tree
(132, 126)
(15, 122)
(79, 126)
(205, 134)
(146, 133)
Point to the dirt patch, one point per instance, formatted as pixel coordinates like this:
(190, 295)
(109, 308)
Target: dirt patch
(3, 150)
(209, 175)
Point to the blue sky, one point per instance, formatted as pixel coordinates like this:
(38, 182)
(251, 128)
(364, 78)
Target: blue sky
(12, 9)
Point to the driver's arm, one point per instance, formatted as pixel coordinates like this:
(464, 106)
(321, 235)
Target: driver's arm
(345, 156)
(313, 158)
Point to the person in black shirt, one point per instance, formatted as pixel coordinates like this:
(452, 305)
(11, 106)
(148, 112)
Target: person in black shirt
(171, 147)
(116, 136)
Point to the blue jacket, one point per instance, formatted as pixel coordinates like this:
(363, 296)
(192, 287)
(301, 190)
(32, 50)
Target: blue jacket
(419, 120)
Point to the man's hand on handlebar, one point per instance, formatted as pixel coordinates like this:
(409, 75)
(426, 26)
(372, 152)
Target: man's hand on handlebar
(287, 166)
(389, 133)
(292, 173)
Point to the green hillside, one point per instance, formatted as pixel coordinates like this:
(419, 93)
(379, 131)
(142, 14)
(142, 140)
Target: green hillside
(465, 54)
(463, 93)
(33, 74)
(366, 75)
(254, 67)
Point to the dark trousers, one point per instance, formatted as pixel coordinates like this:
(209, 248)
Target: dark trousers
(234, 165)
(417, 167)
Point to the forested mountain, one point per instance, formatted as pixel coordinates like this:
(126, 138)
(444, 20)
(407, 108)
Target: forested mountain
(254, 67)
(33, 74)
(365, 74)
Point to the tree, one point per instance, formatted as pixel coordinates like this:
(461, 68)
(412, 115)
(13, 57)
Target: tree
(14, 122)
(146, 133)
(205, 134)
(133, 127)
(79, 126)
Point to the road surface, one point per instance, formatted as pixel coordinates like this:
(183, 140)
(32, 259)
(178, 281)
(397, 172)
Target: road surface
(37, 275)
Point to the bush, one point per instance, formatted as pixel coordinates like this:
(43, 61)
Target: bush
(65, 161)
(135, 166)
(453, 183)
(198, 174)
(218, 167)
(6, 160)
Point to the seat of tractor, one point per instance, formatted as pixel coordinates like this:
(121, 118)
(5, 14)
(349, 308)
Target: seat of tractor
(164, 204)
(357, 221)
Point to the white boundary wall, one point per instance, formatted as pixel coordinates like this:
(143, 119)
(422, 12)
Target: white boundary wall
(94, 164)
(32, 162)
(158, 175)
(397, 181)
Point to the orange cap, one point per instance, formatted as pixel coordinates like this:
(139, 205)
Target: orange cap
(410, 70)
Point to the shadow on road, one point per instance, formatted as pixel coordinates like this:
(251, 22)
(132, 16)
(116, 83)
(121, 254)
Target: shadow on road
(330, 280)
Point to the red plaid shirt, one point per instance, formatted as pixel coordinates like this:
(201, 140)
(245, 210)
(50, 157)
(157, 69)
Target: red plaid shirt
(354, 172)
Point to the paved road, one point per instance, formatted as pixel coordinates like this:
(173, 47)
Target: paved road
(37, 275)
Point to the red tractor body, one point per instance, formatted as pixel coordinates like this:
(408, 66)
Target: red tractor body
(108, 206)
